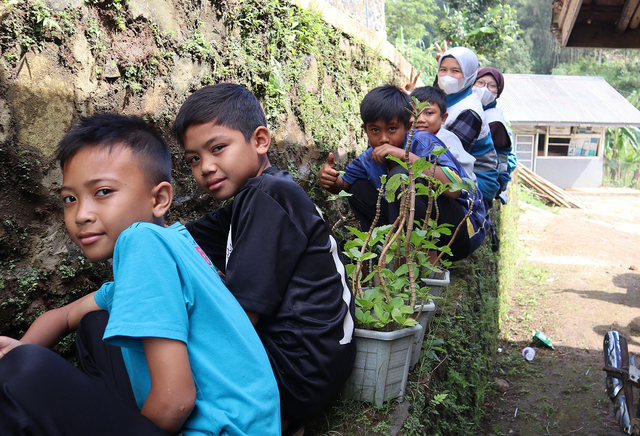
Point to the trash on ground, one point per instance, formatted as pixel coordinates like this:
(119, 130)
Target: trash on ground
(528, 353)
(544, 339)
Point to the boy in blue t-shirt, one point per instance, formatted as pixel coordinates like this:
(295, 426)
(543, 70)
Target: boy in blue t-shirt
(279, 256)
(179, 353)
(386, 121)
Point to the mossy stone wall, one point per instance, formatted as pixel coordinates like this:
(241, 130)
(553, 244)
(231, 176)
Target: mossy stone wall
(63, 59)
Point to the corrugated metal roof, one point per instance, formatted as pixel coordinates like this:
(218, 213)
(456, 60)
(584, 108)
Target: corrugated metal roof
(533, 99)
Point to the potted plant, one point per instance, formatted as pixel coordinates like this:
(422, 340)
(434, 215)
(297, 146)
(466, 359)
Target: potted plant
(385, 264)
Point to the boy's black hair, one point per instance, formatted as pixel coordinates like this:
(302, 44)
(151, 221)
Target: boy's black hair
(112, 130)
(385, 102)
(224, 104)
(433, 95)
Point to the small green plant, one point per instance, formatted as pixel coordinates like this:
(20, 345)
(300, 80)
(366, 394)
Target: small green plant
(198, 47)
(95, 37)
(402, 252)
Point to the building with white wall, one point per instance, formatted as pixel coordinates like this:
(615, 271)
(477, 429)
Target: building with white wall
(559, 124)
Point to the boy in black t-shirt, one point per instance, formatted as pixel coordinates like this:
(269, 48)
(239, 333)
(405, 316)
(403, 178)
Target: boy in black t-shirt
(279, 256)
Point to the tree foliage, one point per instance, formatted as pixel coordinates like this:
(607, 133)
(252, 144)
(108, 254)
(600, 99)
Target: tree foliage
(409, 16)
(617, 69)
(488, 33)
(622, 152)
(486, 26)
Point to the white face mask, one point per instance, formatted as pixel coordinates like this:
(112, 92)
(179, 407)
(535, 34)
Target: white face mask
(450, 85)
(485, 94)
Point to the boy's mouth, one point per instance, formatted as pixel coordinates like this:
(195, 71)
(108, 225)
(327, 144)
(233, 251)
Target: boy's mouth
(215, 183)
(88, 238)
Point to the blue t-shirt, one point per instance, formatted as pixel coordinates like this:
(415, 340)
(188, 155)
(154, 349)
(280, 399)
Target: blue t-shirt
(165, 286)
(365, 167)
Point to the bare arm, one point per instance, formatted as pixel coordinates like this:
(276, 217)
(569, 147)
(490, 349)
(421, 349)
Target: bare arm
(173, 392)
(254, 317)
(52, 326)
(442, 177)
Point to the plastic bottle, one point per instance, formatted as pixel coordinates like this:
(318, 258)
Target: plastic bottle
(528, 353)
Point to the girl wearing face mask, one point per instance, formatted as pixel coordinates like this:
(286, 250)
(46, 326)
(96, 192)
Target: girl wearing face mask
(488, 87)
(457, 70)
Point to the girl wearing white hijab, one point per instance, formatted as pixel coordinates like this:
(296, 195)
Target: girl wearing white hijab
(457, 70)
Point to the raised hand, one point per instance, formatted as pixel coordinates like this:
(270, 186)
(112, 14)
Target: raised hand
(328, 174)
(381, 152)
(440, 52)
(409, 87)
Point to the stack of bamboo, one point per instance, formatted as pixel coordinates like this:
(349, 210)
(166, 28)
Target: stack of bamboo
(546, 190)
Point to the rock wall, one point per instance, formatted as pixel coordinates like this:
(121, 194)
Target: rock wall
(64, 59)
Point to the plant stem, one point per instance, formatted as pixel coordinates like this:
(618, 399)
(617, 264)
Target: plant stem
(356, 274)
(389, 240)
(473, 199)
(411, 212)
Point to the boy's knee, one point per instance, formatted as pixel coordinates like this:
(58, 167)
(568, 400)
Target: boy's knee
(27, 362)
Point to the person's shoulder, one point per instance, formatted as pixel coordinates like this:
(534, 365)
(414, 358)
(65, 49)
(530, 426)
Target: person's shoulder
(146, 233)
(426, 139)
(277, 184)
(365, 155)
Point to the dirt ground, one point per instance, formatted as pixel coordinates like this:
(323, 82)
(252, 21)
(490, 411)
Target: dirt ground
(578, 277)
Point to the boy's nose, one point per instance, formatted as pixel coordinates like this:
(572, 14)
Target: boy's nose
(84, 213)
(208, 165)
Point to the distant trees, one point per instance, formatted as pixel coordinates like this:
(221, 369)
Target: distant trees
(486, 26)
(622, 152)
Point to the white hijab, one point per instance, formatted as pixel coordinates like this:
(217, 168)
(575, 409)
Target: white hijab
(468, 62)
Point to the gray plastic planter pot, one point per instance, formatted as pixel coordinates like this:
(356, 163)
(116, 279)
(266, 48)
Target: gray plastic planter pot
(381, 367)
(437, 282)
(428, 311)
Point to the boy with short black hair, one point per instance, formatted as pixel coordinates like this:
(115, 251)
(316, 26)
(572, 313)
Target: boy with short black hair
(435, 96)
(278, 255)
(179, 354)
(386, 121)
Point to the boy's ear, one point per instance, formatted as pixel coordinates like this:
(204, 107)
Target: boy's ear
(162, 197)
(444, 117)
(262, 139)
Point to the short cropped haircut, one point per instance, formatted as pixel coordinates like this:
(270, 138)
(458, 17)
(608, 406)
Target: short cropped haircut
(112, 130)
(385, 102)
(433, 95)
(225, 104)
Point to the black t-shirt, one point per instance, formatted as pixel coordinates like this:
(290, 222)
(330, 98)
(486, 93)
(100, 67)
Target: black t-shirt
(282, 262)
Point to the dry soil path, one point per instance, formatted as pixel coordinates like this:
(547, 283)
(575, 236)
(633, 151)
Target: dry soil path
(579, 278)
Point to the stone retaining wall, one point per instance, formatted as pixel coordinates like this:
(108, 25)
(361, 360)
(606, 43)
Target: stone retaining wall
(63, 59)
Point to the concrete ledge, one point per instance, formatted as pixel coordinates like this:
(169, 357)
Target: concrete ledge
(351, 27)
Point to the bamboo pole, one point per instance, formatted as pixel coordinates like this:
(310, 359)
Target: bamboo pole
(547, 190)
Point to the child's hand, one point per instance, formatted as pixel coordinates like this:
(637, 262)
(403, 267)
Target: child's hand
(381, 152)
(440, 52)
(7, 344)
(409, 87)
(328, 175)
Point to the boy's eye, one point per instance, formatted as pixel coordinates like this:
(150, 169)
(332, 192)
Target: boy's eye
(192, 160)
(67, 199)
(103, 192)
(393, 129)
(217, 148)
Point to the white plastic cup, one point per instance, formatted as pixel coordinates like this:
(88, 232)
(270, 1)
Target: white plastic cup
(528, 353)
